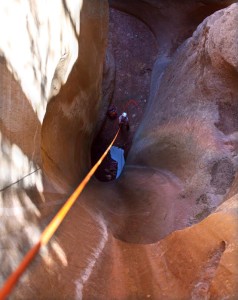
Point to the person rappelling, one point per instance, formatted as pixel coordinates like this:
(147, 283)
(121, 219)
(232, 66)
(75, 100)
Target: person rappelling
(112, 112)
(124, 121)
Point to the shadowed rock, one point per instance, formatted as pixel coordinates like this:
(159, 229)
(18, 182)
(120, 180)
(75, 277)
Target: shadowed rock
(159, 231)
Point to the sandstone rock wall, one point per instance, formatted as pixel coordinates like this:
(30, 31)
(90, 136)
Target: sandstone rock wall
(71, 115)
(190, 120)
(133, 238)
(51, 65)
(52, 42)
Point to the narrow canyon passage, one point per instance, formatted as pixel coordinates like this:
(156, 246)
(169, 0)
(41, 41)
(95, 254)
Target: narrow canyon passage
(147, 209)
(131, 53)
(167, 227)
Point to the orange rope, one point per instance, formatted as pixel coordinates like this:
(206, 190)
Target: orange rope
(13, 278)
(50, 229)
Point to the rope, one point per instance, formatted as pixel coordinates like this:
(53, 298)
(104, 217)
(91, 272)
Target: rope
(8, 186)
(50, 229)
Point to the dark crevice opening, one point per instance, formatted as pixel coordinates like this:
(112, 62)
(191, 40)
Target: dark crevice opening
(133, 49)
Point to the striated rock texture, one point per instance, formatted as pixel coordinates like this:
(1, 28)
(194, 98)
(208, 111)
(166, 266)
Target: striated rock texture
(19, 137)
(77, 104)
(188, 113)
(51, 62)
(199, 262)
(47, 68)
(167, 229)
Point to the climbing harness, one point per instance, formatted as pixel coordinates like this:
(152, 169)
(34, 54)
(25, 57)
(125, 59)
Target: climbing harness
(51, 228)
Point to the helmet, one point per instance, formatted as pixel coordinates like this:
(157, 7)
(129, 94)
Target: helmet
(124, 114)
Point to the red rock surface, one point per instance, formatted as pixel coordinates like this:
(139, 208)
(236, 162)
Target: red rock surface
(167, 229)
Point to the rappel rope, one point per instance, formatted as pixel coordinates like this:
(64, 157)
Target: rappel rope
(50, 229)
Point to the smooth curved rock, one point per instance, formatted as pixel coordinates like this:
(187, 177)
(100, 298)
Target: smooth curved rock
(199, 262)
(131, 238)
(187, 116)
(69, 132)
(51, 60)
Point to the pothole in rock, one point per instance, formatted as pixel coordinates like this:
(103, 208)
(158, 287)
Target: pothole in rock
(134, 50)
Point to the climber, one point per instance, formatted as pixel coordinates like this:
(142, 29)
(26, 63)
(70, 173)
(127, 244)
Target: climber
(124, 121)
(112, 112)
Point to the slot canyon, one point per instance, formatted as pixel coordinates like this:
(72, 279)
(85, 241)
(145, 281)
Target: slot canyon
(167, 227)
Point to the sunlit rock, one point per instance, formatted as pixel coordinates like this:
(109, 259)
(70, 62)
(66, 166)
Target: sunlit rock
(167, 228)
